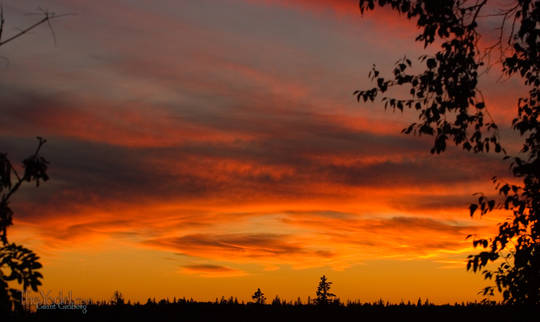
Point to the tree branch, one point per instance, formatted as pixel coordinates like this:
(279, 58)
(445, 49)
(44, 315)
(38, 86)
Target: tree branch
(47, 17)
(22, 32)
(2, 20)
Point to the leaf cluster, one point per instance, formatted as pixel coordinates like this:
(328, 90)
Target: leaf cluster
(17, 263)
(450, 106)
(445, 94)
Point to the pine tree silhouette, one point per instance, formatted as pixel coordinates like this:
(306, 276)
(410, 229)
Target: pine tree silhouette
(259, 297)
(323, 292)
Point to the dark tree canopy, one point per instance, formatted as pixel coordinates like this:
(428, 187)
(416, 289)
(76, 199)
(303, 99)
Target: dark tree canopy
(451, 108)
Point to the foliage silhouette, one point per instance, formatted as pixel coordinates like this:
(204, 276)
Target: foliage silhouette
(16, 262)
(190, 310)
(259, 297)
(451, 107)
(118, 298)
(323, 292)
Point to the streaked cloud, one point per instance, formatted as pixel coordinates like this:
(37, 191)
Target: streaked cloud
(227, 132)
(207, 270)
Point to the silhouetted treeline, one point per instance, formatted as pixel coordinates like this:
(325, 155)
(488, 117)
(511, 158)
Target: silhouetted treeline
(233, 310)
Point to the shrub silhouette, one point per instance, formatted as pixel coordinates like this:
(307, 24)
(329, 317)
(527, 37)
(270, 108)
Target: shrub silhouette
(17, 263)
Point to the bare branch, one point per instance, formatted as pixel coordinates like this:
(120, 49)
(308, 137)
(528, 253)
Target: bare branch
(47, 17)
(478, 7)
(2, 20)
(22, 32)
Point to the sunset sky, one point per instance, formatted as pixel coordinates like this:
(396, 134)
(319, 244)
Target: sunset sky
(206, 148)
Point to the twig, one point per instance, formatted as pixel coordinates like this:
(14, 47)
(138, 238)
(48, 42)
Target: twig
(20, 179)
(2, 20)
(47, 17)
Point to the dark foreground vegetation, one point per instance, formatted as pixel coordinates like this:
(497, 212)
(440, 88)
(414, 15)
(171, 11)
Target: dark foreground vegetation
(230, 310)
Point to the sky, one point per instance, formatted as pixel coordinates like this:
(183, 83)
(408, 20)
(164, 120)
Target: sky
(206, 148)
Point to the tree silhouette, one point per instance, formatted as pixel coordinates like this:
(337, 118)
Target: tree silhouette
(276, 301)
(189, 310)
(323, 292)
(16, 262)
(452, 108)
(118, 298)
(259, 297)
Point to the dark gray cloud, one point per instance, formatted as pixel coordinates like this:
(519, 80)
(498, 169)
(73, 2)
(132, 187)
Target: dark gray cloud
(284, 154)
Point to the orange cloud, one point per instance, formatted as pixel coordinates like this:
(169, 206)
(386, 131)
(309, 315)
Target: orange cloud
(235, 153)
(208, 270)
